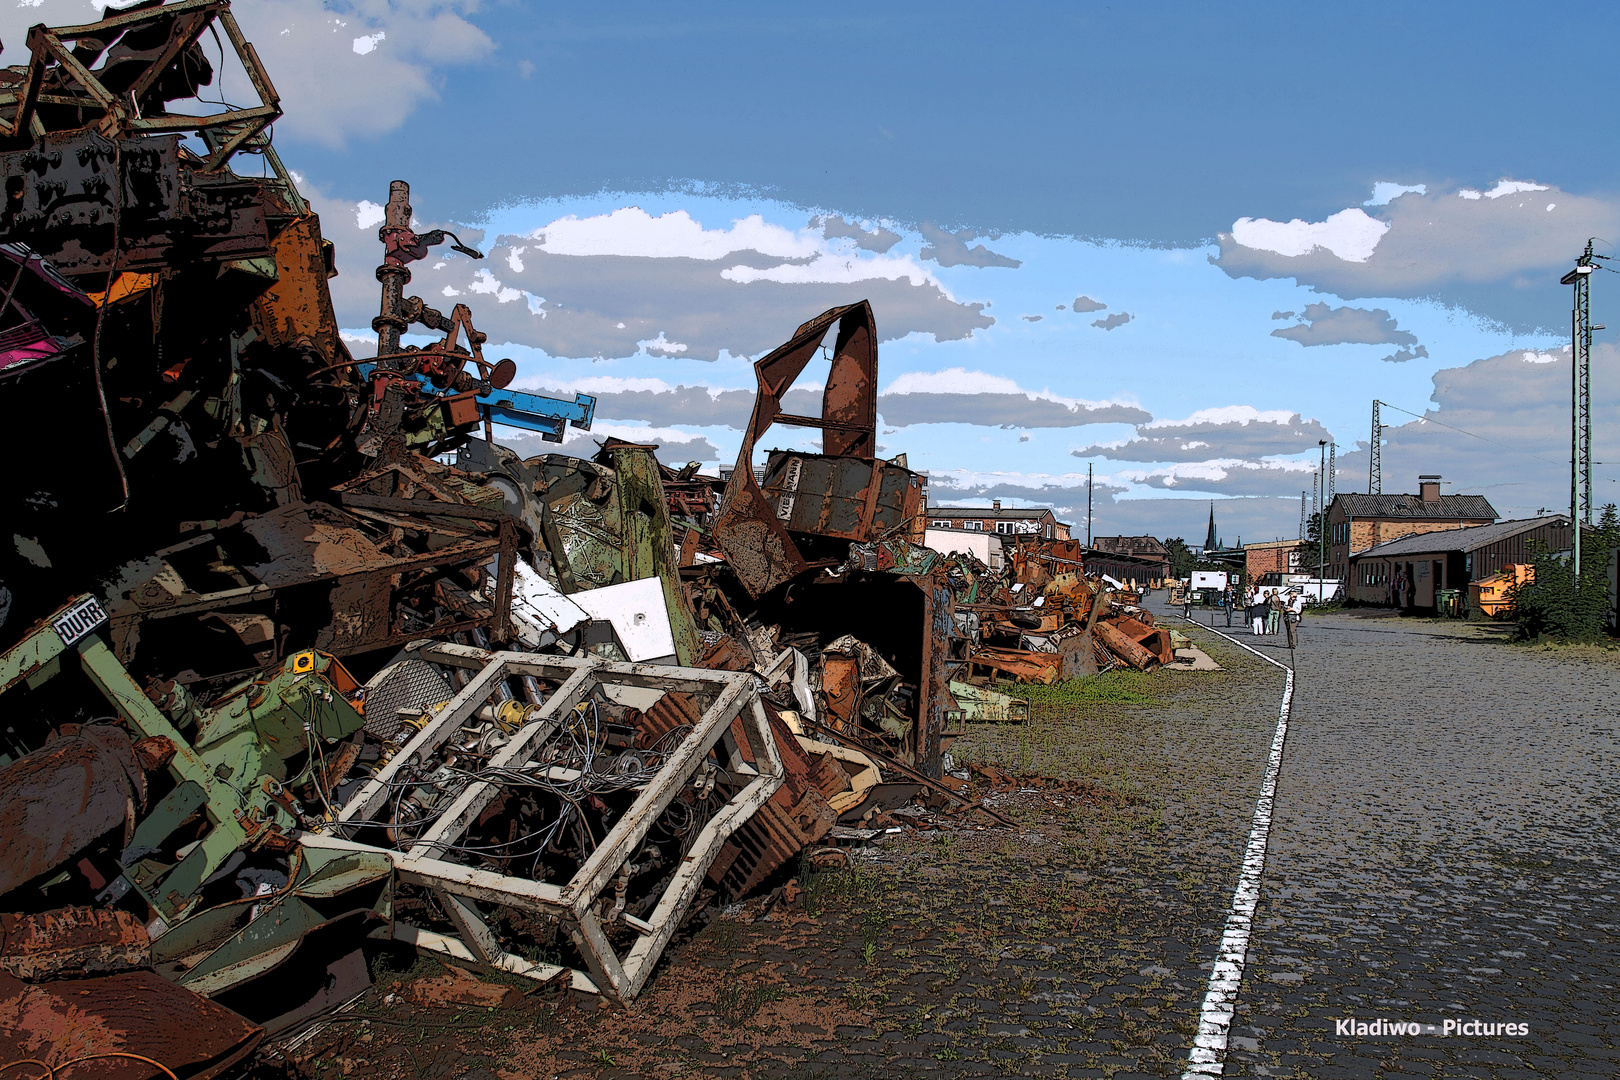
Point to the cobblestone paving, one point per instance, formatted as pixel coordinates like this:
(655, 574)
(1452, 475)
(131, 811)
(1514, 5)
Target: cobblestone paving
(1444, 847)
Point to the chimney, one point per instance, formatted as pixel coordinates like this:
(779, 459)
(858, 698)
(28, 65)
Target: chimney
(995, 504)
(1429, 488)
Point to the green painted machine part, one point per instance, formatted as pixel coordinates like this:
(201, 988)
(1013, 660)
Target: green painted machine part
(236, 769)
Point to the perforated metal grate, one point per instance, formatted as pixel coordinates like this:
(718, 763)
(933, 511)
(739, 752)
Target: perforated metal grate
(410, 684)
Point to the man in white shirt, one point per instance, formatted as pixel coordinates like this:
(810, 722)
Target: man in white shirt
(1291, 616)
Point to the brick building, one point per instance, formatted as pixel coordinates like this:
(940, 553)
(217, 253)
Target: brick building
(1277, 557)
(1356, 522)
(1009, 522)
(1146, 548)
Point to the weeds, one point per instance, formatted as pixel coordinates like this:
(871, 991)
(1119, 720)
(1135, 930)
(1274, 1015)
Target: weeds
(1122, 687)
(737, 1004)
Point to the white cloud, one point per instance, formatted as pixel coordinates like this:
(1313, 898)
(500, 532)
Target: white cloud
(962, 381)
(661, 344)
(1228, 414)
(487, 284)
(451, 290)
(838, 270)
(514, 260)
(368, 215)
(1350, 234)
(1504, 187)
(632, 231)
(1532, 357)
(1384, 191)
(334, 81)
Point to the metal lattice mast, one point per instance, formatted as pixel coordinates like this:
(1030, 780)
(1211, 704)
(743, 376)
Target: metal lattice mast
(1375, 464)
(1332, 474)
(1580, 435)
(1302, 515)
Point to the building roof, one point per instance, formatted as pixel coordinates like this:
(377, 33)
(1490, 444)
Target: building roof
(985, 512)
(1130, 545)
(1471, 538)
(1275, 544)
(1413, 508)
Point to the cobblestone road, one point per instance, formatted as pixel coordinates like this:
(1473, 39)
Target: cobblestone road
(1443, 848)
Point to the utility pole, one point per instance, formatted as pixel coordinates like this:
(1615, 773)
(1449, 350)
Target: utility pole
(1088, 506)
(1375, 464)
(1321, 532)
(1580, 438)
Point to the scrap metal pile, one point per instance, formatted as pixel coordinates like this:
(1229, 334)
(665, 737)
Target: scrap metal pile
(295, 657)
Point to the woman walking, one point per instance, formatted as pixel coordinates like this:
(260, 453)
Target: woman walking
(1274, 608)
(1257, 612)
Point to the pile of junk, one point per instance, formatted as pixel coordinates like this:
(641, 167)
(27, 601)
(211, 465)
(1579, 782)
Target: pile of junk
(296, 657)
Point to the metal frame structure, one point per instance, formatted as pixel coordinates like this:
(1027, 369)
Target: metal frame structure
(224, 132)
(731, 707)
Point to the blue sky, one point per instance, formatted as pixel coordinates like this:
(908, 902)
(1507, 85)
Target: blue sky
(1299, 208)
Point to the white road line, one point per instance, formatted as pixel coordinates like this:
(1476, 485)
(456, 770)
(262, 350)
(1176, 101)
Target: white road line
(1215, 1018)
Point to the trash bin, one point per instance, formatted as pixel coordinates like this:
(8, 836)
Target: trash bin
(1448, 602)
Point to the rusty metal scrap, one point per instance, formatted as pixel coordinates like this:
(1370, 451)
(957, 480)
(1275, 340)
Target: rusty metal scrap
(72, 941)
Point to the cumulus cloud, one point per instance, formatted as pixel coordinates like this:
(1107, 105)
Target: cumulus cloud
(1497, 252)
(631, 231)
(1229, 477)
(1350, 235)
(594, 287)
(1119, 318)
(1032, 318)
(959, 396)
(834, 227)
(1228, 433)
(1325, 325)
(356, 67)
(951, 249)
(1084, 304)
(1514, 408)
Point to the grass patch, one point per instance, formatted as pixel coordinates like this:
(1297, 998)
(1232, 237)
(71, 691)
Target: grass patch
(1110, 688)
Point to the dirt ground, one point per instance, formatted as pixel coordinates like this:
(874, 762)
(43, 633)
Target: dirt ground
(1076, 944)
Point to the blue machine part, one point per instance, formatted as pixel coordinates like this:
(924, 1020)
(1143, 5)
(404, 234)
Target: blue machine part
(532, 412)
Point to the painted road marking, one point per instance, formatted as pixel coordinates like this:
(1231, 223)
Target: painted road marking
(1215, 1018)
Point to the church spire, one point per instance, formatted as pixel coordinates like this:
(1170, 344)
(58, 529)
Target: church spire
(1212, 542)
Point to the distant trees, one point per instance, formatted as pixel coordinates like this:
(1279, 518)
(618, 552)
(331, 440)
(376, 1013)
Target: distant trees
(1554, 605)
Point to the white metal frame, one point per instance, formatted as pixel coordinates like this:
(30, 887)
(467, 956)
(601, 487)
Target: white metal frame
(730, 707)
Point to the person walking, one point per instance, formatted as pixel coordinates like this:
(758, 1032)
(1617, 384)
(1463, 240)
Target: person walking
(1274, 610)
(1291, 617)
(1256, 609)
(1228, 602)
(1400, 590)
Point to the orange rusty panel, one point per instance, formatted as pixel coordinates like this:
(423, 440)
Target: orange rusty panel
(841, 682)
(297, 309)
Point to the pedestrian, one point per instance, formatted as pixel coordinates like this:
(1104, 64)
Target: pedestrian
(1291, 617)
(1274, 610)
(1400, 589)
(1228, 602)
(1256, 610)
(1186, 601)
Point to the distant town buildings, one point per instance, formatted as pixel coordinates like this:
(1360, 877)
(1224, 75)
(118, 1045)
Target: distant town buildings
(994, 518)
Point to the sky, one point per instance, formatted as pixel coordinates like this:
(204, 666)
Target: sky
(1179, 244)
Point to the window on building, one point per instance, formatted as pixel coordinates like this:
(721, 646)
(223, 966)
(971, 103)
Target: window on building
(1004, 527)
(979, 525)
(940, 524)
